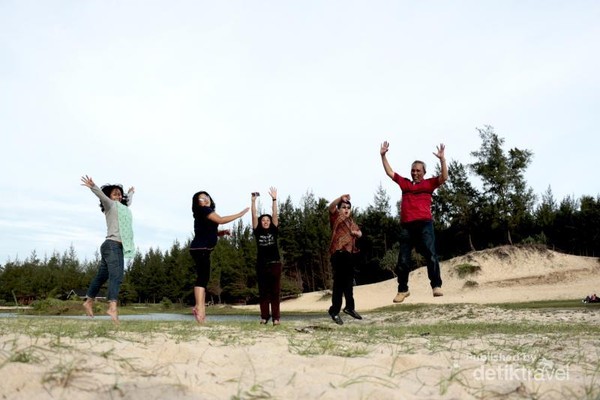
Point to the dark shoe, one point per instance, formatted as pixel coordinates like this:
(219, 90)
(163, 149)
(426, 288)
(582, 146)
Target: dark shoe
(352, 313)
(337, 319)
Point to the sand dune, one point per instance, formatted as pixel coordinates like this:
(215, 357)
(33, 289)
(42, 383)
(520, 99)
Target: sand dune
(507, 274)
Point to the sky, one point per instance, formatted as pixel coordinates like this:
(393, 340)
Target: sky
(231, 97)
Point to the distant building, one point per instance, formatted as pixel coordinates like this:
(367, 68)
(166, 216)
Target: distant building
(81, 293)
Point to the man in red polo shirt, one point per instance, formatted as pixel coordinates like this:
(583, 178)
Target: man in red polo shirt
(416, 222)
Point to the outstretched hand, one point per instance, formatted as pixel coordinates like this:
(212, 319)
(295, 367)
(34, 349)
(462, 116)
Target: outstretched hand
(385, 146)
(273, 193)
(87, 181)
(440, 151)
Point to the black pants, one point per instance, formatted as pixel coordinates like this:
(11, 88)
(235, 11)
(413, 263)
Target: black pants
(202, 266)
(342, 263)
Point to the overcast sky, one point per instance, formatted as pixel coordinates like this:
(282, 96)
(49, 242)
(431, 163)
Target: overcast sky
(232, 97)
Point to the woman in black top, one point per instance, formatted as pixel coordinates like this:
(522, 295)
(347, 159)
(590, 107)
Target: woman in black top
(268, 261)
(206, 231)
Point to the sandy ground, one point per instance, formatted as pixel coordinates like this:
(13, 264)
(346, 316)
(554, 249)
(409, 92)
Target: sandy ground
(316, 359)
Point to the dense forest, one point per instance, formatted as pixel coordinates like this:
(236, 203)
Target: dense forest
(501, 210)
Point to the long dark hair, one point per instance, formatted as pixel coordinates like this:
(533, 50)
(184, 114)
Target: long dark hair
(196, 206)
(107, 190)
(262, 216)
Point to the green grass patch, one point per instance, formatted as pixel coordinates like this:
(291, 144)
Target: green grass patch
(464, 270)
(547, 304)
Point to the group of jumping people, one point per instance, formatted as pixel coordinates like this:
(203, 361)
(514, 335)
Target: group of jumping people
(416, 232)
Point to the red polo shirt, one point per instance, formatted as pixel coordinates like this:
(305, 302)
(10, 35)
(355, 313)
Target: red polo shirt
(416, 198)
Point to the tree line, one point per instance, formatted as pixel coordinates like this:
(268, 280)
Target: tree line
(501, 210)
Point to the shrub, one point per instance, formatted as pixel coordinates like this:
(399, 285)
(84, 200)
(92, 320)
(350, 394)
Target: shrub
(51, 306)
(467, 269)
(166, 303)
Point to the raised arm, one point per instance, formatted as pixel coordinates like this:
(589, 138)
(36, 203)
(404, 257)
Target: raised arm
(130, 193)
(334, 203)
(385, 146)
(254, 215)
(89, 183)
(441, 155)
(274, 218)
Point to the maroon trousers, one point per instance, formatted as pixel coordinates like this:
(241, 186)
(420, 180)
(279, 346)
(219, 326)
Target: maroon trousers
(269, 289)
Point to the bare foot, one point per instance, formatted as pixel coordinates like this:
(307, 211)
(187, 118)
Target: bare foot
(88, 306)
(114, 315)
(200, 317)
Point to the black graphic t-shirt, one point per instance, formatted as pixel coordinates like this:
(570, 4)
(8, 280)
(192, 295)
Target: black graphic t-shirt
(266, 241)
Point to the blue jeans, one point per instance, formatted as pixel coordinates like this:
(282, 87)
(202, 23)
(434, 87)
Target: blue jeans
(418, 235)
(112, 266)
